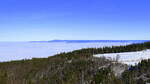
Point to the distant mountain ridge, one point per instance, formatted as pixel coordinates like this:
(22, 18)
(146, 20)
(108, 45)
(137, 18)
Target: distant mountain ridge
(92, 41)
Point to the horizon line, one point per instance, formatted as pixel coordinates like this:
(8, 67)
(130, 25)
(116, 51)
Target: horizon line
(72, 40)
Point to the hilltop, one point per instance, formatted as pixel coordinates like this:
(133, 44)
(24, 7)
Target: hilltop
(77, 67)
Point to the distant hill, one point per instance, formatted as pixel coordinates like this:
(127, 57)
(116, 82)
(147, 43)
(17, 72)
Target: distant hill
(92, 41)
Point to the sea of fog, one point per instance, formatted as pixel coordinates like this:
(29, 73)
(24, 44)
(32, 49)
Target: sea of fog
(27, 50)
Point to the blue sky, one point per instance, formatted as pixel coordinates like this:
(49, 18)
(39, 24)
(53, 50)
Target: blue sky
(33, 20)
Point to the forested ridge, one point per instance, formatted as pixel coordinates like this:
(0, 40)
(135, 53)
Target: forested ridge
(77, 67)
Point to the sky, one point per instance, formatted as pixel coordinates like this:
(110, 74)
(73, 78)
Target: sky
(40, 20)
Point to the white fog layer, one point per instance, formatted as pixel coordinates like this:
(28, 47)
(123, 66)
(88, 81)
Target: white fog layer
(26, 50)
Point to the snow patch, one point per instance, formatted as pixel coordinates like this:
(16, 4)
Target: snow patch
(130, 58)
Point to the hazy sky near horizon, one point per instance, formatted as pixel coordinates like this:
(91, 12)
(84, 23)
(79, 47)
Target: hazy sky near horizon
(33, 20)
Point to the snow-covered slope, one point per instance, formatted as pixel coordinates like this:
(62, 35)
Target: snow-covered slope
(130, 58)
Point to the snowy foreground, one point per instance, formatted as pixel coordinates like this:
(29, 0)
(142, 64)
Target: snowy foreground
(130, 58)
